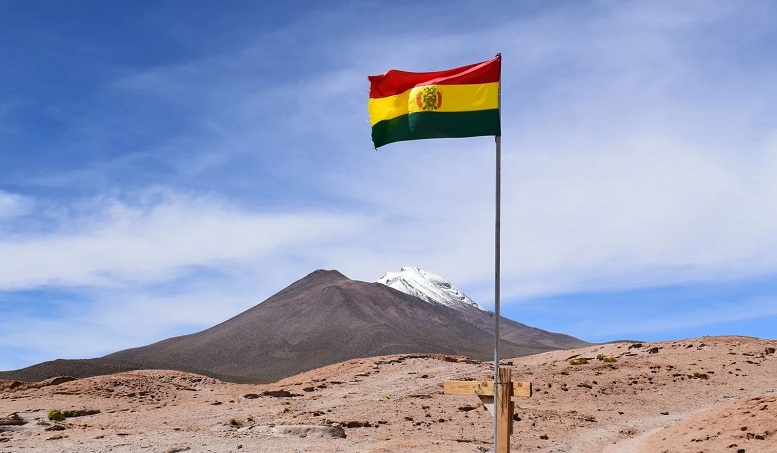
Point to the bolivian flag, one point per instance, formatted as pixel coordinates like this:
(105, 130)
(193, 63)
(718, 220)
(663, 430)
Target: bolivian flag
(459, 102)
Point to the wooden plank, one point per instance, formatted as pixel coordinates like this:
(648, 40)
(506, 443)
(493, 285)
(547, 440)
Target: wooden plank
(522, 389)
(469, 387)
(485, 388)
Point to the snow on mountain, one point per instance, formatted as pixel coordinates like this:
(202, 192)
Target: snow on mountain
(428, 287)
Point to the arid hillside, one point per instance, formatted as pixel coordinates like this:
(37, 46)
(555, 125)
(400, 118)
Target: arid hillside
(711, 394)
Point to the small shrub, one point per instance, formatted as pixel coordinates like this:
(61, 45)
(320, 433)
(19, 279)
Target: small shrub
(581, 361)
(605, 359)
(235, 422)
(56, 416)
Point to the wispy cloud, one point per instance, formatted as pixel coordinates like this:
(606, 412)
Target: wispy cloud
(12, 205)
(155, 237)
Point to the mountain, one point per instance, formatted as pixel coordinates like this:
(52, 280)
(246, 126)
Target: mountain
(436, 290)
(321, 319)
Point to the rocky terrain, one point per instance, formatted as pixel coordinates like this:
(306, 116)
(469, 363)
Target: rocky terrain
(711, 394)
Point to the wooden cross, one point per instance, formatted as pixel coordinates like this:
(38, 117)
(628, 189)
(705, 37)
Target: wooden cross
(504, 407)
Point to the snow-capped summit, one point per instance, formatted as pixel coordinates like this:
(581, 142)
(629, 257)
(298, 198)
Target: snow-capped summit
(428, 287)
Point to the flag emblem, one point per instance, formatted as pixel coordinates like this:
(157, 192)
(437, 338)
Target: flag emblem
(429, 98)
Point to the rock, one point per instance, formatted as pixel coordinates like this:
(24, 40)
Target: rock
(317, 431)
(13, 419)
(58, 380)
(176, 449)
(357, 424)
(278, 393)
(9, 385)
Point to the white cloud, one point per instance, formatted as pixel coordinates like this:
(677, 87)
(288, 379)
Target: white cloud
(112, 241)
(13, 205)
(619, 212)
(638, 214)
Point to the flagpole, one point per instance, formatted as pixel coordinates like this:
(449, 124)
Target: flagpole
(497, 264)
(390, 124)
(497, 234)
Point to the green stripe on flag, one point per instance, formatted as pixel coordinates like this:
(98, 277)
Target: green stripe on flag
(421, 125)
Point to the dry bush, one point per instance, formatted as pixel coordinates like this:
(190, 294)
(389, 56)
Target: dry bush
(581, 361)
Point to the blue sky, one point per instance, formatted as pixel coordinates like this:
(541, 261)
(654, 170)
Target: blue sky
(166, 165)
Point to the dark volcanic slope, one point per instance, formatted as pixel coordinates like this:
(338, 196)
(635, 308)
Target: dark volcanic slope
(78, 368)
(321, 319)
(518, 333)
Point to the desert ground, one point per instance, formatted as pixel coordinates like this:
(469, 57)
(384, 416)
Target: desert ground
(710, 394)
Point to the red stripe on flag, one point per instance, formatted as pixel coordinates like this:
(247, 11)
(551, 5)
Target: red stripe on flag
(394, 82)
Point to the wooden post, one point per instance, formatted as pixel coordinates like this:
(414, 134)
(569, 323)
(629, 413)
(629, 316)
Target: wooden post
(503, 409)
(504, 412)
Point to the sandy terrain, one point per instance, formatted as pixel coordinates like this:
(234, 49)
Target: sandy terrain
(712, 394)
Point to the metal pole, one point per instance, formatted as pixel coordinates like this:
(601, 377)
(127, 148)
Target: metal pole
(497, 234)
(497, 262)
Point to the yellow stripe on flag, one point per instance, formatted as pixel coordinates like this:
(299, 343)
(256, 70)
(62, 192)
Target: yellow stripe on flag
(442, 98)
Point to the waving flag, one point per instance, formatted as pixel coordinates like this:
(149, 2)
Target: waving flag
(459, 102)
